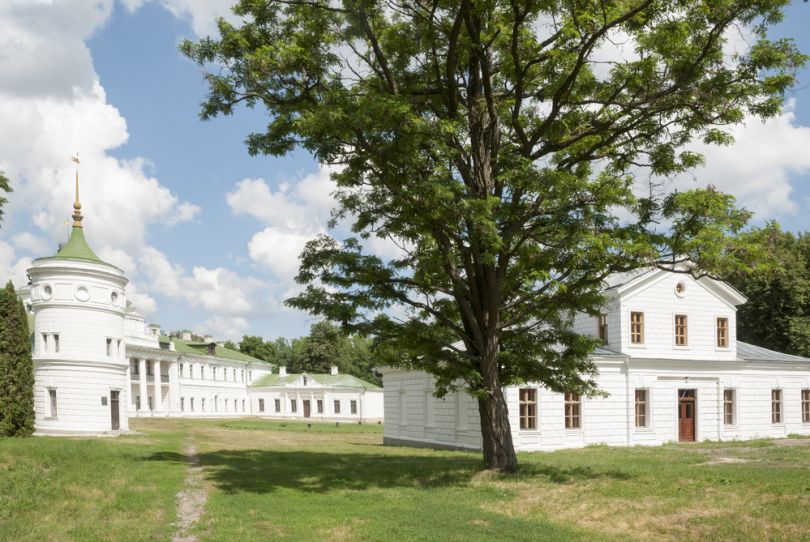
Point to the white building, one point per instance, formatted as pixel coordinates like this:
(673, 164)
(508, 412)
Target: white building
(670, 363)
(97, 363)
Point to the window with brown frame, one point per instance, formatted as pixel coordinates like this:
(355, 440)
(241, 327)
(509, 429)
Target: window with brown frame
(680, 330)
(573, 404)
(602, 325)
(806, 406)
(722, 333)
(637, 327)
(728, 406)
(641, 408)
(528, 408)
(776, 406)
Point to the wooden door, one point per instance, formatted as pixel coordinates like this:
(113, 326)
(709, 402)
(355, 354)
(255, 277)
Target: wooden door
(114, 410)
(306, 408)
(687, 415)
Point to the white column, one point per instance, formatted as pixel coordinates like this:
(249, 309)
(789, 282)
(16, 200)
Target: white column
(127, 395)
(174, 387)
(158, 395)
(142, 386)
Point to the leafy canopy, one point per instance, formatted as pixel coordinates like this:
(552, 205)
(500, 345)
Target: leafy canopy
(504, 148)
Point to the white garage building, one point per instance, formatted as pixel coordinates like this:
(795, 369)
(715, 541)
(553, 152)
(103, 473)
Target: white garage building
(670, 362)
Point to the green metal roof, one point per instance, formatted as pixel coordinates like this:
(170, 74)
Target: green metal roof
(77, 248)
(201, 349)
(337, 381)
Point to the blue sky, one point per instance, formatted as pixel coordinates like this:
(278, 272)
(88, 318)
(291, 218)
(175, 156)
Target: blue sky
(208, 234)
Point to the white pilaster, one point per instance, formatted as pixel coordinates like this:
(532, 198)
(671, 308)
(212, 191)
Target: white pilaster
(142, 387)
(157, 391)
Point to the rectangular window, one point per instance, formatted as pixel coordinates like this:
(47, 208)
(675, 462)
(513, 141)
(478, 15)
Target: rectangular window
(135, 367)
(243, 405)
(602, 326)
(278, 405)
(191, 404)
(642, 403)
(728, 406)
(120, 350)
(637, 327)
(44, 343)
(573, 404)
(183, 404)
(52, 396)
(56, 343)
(353, 406)
(776, 406)
(150, 402)
(202, 404)
(137, 402)
(319, 406)
(109, 347)
(293, 405)
(722, 333)
(337, 406)
(680, 330)
(181, 370)
(528, 408)
(806, 406)
(149, 369)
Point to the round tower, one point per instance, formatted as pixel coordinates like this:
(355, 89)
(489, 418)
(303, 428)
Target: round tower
(80, 365)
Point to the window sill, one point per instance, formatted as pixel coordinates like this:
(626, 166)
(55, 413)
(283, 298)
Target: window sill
(644, 430)
(573, 431)
(529, 431)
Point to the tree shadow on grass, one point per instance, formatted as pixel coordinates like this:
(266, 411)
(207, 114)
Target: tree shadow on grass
(262, 471)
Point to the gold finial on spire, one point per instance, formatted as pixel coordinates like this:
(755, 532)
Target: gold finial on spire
(77, 206)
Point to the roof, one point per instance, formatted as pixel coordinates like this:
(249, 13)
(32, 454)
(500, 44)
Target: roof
(201, 349)
(750, 352)
(336, 381)
(77, 248)
(614, 280)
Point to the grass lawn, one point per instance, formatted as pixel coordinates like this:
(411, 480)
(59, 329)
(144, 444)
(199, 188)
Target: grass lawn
(282, 480)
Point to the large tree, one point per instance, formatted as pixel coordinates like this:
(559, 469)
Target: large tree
(777, 314)
(16, 367)
(502, 145)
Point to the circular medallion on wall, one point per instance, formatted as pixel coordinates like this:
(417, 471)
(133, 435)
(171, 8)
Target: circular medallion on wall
(82, 294)
(47, 291)
(680, 289)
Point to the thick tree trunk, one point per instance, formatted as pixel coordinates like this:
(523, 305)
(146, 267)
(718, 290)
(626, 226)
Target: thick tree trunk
(496, 433)
(499, 449)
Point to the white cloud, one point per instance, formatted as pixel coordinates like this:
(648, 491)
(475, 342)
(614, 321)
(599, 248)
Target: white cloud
(31, 244)
(220, 327)
(201, 14)
(12, 267)
(757, 168)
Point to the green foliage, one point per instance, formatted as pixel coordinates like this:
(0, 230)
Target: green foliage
(777, 314)
(492, 142)
(5, 187)
(16, 367)
(325, 346)
(230, 345)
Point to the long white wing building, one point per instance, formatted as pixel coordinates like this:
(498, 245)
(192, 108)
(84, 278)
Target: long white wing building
(97, 363)
(670, 362)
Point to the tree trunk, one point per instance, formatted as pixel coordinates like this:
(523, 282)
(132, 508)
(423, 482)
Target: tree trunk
(496, 433)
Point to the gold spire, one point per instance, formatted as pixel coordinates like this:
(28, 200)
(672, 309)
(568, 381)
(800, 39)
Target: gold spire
(77, 206)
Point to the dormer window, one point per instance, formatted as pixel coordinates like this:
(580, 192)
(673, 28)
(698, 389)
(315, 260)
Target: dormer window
(305, 381)
(602, 327)
(212, 349)
(637, 327)
(680, 330)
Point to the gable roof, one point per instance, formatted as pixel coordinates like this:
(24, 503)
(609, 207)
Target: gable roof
(201, 349)
(335, 381)
(620, 283)
(750, 352)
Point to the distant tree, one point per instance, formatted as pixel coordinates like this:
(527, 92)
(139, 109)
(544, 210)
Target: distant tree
(253, 345)
(16, 367)
(777, 314)
(230, 345)
(498, 143)
(324, 347)
(5, 186)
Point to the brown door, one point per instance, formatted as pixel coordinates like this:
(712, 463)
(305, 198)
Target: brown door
(687, 415)
(306, 408)
(114, 412)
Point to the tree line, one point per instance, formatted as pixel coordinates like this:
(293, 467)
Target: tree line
(325, 346)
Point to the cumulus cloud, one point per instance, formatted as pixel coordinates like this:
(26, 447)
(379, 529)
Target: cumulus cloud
(201, 14)
(221, 327)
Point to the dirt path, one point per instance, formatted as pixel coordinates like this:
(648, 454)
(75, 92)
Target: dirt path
(191, 499)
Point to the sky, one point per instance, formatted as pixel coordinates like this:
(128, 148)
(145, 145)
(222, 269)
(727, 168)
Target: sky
(208, 235)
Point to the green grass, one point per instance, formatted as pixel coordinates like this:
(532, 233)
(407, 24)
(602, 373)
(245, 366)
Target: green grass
(285, 480)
